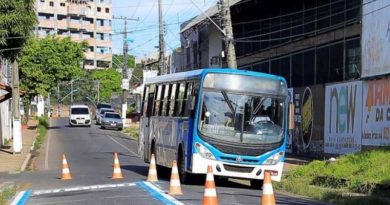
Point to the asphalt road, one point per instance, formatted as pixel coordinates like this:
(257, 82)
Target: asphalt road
(89, 153)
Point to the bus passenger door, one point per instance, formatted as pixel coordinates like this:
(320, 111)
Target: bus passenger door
(145, 128)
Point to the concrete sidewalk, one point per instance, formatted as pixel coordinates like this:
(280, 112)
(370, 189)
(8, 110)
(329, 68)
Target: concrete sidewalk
(10, 162)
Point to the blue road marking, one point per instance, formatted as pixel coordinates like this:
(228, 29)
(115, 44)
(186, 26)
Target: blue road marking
(158, 194)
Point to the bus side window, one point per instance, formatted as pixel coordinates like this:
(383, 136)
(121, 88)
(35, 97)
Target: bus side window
(164, 111)
(157, 101)
(180, 99)
(145, 100)
(188, 98)
(151, 100)
(161, 99)
(172, 100)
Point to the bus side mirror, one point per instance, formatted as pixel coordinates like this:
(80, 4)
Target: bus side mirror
(291, 109)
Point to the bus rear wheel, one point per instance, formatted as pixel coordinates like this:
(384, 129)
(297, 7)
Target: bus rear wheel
(184, 176)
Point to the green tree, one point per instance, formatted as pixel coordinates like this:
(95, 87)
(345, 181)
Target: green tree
(117, 61)
(17, 20)
(44, 62)
(137, 76)
(110, 82)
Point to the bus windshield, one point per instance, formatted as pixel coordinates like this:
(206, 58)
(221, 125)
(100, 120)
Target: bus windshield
(240, 118)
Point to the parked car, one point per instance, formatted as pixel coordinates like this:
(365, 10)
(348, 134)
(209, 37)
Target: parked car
(101, 113)
(111, 120)
(102, 106)
(79, 115)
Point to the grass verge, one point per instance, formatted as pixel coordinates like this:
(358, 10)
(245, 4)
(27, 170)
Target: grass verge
(43, 125)
(6, 194)
(132, 131)
(360, 178)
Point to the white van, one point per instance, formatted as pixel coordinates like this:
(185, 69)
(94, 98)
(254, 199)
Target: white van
(79, 115)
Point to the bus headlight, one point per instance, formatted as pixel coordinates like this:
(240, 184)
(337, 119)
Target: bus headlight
(203, 151)
(274, 159)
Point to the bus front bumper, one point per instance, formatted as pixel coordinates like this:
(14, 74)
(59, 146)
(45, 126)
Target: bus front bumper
(235, 170)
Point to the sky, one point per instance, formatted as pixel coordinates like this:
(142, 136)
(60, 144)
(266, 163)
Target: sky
(144, 32)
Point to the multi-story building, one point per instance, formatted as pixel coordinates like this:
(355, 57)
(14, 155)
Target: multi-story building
(82, 20)
(332, 53)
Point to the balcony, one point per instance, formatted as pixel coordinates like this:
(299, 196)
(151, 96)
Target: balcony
(74, 25)
(77, 10)
(76, 39)
(89, 27)
(62, 24)
(103, 43)
(90, 41)
(62, 10)
(46, 23)
(89, 67)
(89, 55)
(104, 56)
(103, 29)
(45, 8)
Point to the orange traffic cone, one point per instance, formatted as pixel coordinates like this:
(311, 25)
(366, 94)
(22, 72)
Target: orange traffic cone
(117, 173)
(210, 193)
(65, 169)
(174, 184)
(268, 197)
(152, 175)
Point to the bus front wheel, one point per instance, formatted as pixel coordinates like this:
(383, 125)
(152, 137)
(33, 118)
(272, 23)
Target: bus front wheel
(256, 183)
(184, 176)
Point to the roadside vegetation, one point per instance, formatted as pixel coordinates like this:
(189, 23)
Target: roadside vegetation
(358, 179)
(132, 131)
(43, 125)
(6, 194)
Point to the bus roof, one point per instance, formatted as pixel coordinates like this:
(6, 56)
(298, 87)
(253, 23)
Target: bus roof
(201, 72)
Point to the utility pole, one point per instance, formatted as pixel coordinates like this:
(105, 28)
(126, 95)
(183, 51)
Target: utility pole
(125, 76)
(17, 128)
(161, 58)
(227, 27)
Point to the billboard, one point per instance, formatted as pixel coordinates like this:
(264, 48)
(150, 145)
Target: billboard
(308, 134)
(376, 113)
(375, 38)
(343, 114)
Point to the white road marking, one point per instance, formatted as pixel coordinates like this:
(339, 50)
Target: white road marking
(161, 193)
(81, 188)
(122, 145)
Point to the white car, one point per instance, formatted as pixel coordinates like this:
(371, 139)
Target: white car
(80, 115)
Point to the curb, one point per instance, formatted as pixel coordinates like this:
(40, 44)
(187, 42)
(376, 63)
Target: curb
(28, 157)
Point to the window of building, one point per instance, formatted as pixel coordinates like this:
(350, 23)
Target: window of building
(99, 9)
(51, 3)
(285, 69)
(336, 63)
(322, 66)
(308, 67)
(352, 59)
(107, 10)
(297, 70)
(62, 4)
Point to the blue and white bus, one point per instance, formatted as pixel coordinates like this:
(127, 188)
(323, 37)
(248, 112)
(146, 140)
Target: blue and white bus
(234, 120)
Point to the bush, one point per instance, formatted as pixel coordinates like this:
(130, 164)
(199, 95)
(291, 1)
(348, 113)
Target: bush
(43, 125)
(366, 173)
(133, 131)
